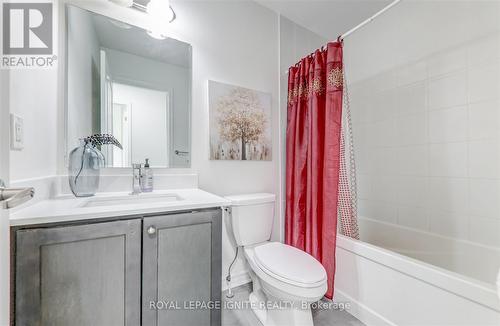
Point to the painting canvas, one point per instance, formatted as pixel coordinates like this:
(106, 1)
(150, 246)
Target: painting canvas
(240, 123)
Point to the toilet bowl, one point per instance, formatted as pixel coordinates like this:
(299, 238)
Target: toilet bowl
(288, 280)
(285, 280)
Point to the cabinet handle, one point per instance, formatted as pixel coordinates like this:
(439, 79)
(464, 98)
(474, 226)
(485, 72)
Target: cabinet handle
(151, 230)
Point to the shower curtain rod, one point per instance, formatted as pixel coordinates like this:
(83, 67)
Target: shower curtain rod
(369, 20)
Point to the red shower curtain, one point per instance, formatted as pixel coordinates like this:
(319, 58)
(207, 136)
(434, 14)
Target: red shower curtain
(315, 87)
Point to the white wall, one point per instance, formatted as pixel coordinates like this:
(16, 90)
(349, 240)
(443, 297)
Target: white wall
(33, 96)
(235, 43)
(425, 105)
(399, 36)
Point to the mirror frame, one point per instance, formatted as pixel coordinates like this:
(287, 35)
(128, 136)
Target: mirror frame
(63, 98)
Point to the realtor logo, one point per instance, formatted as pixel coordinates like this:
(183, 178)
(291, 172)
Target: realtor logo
(27, 28)
(28, 34)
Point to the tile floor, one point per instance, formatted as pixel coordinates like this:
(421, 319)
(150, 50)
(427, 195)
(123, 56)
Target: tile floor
(245, 317)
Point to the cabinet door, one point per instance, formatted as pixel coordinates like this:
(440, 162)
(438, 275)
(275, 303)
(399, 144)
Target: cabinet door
(181, 266)
(79, 275)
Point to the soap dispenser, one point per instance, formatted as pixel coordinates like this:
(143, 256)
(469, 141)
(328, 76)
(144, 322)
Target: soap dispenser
(147, 178)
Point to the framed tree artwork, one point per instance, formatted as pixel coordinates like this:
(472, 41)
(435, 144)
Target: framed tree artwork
(240, 123)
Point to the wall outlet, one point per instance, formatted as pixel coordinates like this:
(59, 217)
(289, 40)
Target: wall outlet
(16, 132)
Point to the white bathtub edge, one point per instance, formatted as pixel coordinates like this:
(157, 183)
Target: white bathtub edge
(364, 314)
(445, 280)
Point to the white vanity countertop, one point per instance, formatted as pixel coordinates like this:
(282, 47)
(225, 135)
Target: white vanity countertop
(69, 208)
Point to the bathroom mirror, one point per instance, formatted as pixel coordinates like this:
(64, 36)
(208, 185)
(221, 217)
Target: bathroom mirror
(124, 82)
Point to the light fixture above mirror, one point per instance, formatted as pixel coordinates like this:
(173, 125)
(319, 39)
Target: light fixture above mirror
(124, 3)
(160, 11)
(161, 14)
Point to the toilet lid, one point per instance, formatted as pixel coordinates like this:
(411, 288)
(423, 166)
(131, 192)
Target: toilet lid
(289, 263)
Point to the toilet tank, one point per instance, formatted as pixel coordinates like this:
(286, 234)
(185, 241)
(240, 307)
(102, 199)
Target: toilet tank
(252, 217)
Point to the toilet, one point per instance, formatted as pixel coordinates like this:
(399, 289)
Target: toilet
(285, 280)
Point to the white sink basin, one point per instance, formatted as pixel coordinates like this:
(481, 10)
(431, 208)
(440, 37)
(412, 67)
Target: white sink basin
(131, 200)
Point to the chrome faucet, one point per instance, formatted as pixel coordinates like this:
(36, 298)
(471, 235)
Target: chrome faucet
(136, 179)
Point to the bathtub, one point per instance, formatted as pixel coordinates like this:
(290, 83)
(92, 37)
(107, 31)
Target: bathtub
(401, 276)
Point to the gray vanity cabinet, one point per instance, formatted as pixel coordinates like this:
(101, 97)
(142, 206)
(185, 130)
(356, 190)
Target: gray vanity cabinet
(79, 275)
(181, 268)
(109, 272)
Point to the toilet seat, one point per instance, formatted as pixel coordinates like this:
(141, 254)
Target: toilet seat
(289, 265)
(284, 274)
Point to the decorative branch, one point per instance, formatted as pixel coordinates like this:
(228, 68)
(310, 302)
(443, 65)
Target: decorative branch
(102, 139)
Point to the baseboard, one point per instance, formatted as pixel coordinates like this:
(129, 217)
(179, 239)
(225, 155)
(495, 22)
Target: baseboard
(239, 279)
(363, 313)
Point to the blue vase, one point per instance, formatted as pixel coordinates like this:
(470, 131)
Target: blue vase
(84, 169)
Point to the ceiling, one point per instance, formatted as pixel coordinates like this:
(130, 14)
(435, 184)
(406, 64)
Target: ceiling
(327, 18)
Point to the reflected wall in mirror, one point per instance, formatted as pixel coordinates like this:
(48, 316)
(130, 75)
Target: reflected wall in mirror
(123, 82)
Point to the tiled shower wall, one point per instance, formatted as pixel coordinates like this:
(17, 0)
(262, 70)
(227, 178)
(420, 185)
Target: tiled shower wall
(427, 143)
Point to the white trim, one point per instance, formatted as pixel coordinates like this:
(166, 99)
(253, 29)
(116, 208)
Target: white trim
(170, 127)
(33, 180)
(364, 314)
